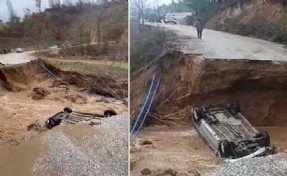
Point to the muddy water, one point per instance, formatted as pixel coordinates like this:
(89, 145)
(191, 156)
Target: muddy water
(277, 136)
(178, 148)
(181, 149)
(19, 160)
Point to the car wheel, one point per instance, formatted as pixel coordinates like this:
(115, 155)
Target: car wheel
(196, 114)
(265, 138)
(68, 110)
(225, 149)
(109, 113)
(234, 106)
(52, 122)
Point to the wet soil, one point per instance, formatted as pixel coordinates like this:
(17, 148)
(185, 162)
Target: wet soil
(179, 148)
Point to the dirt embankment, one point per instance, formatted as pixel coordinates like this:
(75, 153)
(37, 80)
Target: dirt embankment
(19, 77)
(260, 18)
(102, 85)
(190, 80)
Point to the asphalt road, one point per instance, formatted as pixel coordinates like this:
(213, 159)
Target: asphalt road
(16, 58)
(221, 45)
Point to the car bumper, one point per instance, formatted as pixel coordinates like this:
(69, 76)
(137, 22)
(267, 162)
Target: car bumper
(259, 152)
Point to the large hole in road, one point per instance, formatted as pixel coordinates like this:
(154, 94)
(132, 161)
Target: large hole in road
(191, 80)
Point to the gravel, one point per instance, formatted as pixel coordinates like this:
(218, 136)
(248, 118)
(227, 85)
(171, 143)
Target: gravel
(104, 153)
(275, 165)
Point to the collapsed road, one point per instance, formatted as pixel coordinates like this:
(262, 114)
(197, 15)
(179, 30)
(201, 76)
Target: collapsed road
(221, 68)
(17, 58)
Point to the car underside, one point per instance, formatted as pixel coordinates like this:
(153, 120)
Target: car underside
(229, 133)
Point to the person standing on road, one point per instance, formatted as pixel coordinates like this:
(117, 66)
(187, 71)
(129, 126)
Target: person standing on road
(199, 27)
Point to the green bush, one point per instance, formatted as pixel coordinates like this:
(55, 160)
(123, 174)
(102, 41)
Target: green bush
(230, 23)
(3, 32)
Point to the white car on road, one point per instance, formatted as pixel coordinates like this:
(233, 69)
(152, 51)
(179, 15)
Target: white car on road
(170, 18)
(19, 50)
(53, 47)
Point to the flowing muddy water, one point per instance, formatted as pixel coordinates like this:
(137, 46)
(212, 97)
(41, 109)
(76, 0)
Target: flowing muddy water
(179, 148)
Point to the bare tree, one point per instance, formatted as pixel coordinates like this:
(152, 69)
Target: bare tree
(27, 13)
(51, 3)
(13, 16)
(157, 7)
(54, 3)
(38, 4)
(57, 3)
(140, 6)
(100, 19)
(68, 3)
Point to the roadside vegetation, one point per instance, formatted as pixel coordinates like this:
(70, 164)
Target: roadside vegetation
(117, 70)
(146, 42)
(146, 45)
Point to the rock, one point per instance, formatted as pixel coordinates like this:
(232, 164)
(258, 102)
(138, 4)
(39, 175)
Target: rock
(39, 93)
(76, 98)
(146, 171)
(171, 172)
(146, 142)
(196, 173)
(34, 126)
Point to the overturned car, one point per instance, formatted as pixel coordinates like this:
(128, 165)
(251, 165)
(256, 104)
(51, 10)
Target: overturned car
(228, 132)
(68, 116)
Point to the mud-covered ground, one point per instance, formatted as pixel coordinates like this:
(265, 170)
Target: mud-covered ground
(179, 150)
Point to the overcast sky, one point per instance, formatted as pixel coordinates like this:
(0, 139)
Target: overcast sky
(19, 6)
(161, 2)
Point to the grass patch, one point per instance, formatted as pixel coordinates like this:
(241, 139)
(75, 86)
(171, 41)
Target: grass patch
(116, 70)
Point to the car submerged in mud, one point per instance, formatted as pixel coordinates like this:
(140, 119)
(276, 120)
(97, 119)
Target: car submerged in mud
(229, 133)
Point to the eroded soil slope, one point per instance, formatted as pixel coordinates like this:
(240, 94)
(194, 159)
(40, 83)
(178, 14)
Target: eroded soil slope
(190, 80)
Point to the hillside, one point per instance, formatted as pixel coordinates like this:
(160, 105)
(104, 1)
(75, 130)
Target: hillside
(264, 19)
(80, 23)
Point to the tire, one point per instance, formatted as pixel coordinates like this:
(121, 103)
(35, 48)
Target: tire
(196, 113)
(109, 113)
(225, 149)
(53, 122)
(68, 110)
(235, 107)
(266, 138)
